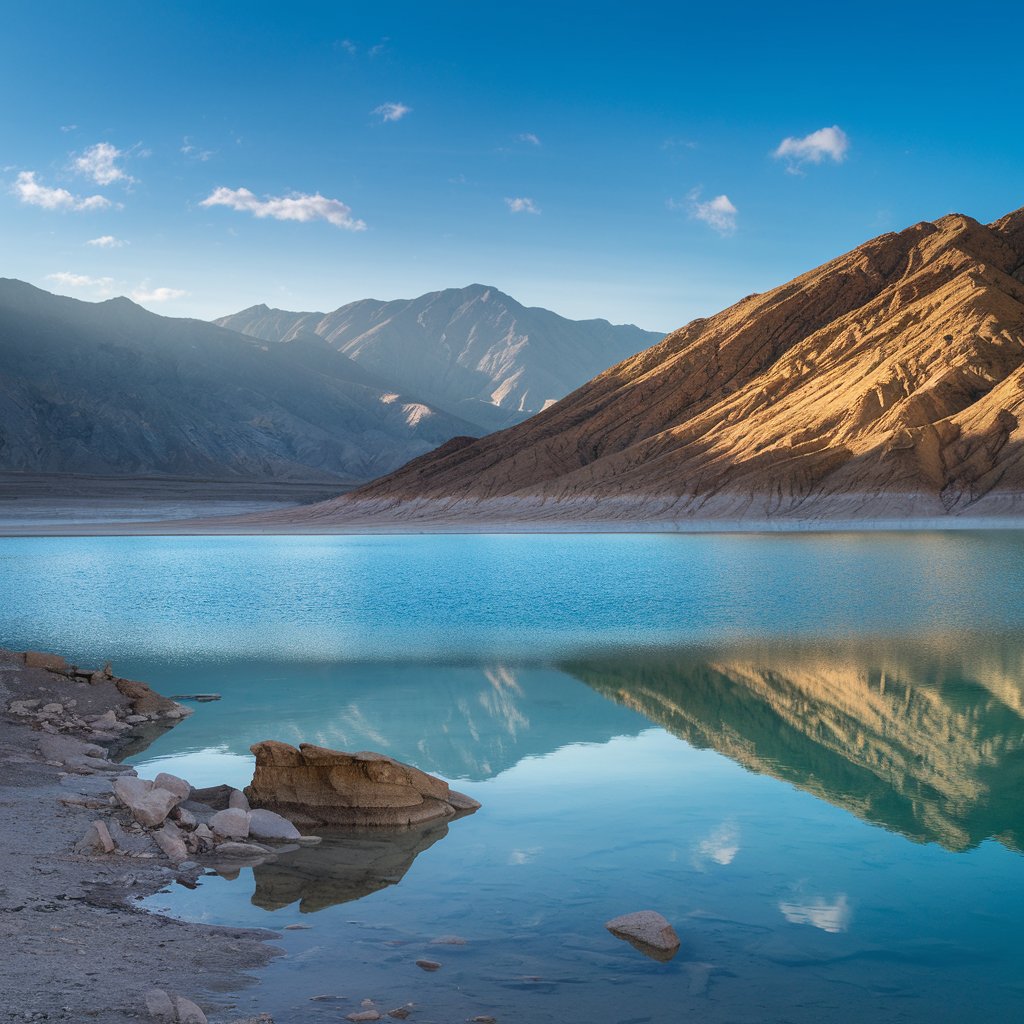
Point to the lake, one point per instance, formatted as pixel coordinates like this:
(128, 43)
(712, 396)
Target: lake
(805, 750)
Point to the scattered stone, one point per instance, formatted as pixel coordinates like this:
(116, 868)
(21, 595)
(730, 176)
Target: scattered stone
(647, 931)
(138, 844)
(160, 1007)
(68, 749)
(448, 940)
(24, 707)
(149, 804)
(232, 823)
(268, 825)
(363, 1015)
(188, 1012)
(401, 1012)
(96, 840)
(314, 785)
(212, 796)
(484, 1018)
(173, 785)
(169, 838)
(52, 709)
(241, 850)
(39, 659)
(297, 927)
(203, 698)
(184, 817)
(428, 965)
(237, 801)
(366, 1004)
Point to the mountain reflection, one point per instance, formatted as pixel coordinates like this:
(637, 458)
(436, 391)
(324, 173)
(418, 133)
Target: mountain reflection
(925, 740)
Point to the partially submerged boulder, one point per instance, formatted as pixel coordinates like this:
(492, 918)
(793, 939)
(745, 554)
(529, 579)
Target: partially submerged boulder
(647, 931)
(312, 785)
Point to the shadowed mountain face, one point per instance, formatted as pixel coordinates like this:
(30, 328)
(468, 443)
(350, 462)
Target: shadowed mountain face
(472, 350)
(109, 388)
(927, 744)
(887, 382)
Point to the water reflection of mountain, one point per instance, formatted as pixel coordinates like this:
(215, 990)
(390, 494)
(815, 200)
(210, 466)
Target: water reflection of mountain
(461, 722)
(928, 743)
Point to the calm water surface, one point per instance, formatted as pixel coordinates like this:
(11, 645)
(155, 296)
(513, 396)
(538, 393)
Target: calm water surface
(806, 751)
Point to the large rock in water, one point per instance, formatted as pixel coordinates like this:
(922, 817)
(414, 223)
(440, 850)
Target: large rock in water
(317, 786)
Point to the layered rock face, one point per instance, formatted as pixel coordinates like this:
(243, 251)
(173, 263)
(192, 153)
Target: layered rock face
(313, 785)
(887, 382)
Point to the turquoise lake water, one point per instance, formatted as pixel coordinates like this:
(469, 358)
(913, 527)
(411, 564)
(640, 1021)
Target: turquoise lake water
(806, 751)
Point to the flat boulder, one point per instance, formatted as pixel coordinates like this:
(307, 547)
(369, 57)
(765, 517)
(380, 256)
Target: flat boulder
(311, 785)
(647, 931)
(40, 659)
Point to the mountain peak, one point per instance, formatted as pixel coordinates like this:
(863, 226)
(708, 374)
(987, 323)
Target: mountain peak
(889, 381)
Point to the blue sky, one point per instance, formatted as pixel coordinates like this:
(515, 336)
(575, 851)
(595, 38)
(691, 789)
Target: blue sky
(622, 160)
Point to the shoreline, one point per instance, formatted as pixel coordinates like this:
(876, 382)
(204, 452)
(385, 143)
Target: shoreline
(75, 947)
(281, 527)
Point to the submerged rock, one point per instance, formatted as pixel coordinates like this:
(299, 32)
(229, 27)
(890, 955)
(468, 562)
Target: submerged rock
(317, 786)
(647, 931)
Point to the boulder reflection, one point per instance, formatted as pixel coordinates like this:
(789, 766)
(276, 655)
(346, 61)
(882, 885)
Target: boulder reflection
(924, 739)
(346, 866)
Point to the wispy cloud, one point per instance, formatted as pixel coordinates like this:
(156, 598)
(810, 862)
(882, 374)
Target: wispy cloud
(347, 45)
(144, 293)
(69, 127)
(824, 144)
(297, 206)
(34, 193)
(530, 138)
(107, 242)
(99, 163)
(192, 151)
(522, 204)
(719, 213)
(391, 111)
(100, 286)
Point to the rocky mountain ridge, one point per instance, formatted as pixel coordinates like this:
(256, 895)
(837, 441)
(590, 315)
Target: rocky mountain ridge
(474, 350)
(110, 388)
(888, 382)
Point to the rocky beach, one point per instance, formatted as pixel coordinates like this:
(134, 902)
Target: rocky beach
(85, 840)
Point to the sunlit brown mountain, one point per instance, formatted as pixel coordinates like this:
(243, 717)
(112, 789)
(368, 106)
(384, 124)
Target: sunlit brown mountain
(889, 381)
(927, 742)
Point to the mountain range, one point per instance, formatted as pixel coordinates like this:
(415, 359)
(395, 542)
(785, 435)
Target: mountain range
(888, 382)
(110, 389)
(474, 351)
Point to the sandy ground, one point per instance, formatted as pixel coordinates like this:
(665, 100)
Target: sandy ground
(72, 945)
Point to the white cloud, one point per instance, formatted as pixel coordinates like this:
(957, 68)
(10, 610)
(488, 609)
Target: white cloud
(99, 162)
(31, 192)
(831, 917)
(144, 293)
(102, 286)
(107, 242)
(719, 213)
(522, 204)
(530, 138)
(298, 206)
(347, 45)
(826, 143)
(69, 127)
(391, 111)
(193, 151)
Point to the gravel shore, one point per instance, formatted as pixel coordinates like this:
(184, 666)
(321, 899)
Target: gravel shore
(75, 947)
